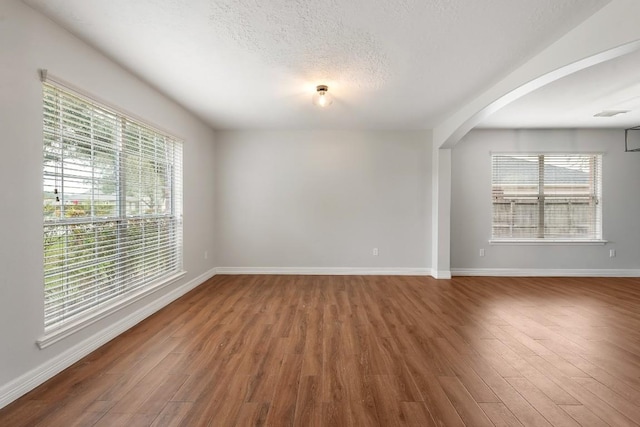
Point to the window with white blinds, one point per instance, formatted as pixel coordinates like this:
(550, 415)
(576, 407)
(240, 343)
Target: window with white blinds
(547, 197)
(112, 207)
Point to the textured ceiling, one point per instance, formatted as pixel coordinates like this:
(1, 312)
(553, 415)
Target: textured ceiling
(402, 64)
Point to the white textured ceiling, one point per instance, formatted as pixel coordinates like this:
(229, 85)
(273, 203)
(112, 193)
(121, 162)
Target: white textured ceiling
(401, 64)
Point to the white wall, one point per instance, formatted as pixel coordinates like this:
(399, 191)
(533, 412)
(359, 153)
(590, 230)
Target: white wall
(471, 202)
(28, 41)
(323, 199)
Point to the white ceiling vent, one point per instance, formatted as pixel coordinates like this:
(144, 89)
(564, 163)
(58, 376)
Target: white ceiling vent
(610, 113)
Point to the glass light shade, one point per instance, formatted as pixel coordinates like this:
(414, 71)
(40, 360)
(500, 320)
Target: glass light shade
(322, 98)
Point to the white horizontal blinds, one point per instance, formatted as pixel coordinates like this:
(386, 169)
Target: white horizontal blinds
(515, 196)
(547, 196)
(572, 196)
(112, 204)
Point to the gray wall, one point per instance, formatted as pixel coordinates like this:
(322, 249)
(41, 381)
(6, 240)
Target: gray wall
(471, 201)
(28, 41)
(323, 199)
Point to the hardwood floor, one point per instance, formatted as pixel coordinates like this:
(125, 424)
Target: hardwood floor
(363, 351)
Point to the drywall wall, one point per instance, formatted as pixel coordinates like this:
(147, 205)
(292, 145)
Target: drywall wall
(28, 41)
(322, 200)
(471, 203)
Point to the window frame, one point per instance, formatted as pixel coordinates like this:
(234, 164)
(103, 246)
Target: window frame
(167, 273)
(541, 196)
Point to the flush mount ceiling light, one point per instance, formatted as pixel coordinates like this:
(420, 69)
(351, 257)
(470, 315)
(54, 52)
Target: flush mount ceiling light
(322, 98)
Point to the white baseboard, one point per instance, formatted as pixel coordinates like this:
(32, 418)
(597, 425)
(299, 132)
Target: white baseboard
(27, 382)
(543, 272)
(441, 274)
(327, 271)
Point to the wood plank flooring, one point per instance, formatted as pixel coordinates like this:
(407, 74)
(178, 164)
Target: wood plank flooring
(363, 351)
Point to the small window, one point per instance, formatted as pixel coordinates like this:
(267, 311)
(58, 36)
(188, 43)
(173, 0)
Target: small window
(112, 201)
(547, 197)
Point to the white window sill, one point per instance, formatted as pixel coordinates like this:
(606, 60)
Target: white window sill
(99, 313)
(536, 242)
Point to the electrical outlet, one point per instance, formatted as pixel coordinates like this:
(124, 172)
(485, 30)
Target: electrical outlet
(206, 254)
(612, 253)
(375, 252)
(481, 251)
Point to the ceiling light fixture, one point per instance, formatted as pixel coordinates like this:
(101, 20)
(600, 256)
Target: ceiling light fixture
(322, 98)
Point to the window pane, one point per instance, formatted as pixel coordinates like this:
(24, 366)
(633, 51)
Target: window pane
(111, 206)
(515, 218)
(546, 196)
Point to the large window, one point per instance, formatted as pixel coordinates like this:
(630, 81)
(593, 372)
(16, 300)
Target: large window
(112, 208)
(547, 197)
